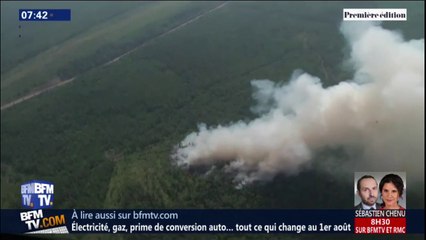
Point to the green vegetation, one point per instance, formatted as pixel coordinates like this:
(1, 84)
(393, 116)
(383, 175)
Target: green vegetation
(37, 37)
(105, 139)
(84, 43)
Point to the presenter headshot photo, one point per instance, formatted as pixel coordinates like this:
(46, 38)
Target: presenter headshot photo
(367, 190)
(391, 190)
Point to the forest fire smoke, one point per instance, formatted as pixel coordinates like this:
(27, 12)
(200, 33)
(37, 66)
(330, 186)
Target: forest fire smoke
(379, 114)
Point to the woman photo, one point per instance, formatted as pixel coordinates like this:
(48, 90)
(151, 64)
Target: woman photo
(391, 188)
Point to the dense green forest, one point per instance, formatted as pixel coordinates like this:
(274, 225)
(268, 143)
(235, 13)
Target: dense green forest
(88, 41)
(105, 139)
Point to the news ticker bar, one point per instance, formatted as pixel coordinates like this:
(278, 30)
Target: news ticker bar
(272, 221)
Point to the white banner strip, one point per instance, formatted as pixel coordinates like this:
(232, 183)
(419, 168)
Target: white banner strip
(374, 14)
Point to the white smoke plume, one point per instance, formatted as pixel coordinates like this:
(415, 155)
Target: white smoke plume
(379, 114)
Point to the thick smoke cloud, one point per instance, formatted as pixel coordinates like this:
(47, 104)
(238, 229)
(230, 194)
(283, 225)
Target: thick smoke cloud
(378, 116)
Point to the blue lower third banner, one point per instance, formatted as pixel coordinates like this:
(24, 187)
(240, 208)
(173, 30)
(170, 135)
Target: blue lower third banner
(132, 221)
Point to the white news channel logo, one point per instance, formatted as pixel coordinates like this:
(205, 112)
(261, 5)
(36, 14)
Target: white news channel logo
(374, 14)
(38, 223)
(37, 194)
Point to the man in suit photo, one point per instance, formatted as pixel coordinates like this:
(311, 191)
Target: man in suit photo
(367, 190)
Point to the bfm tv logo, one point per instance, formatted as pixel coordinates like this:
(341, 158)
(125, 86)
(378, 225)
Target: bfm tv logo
(35, 220)
(37, 194)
